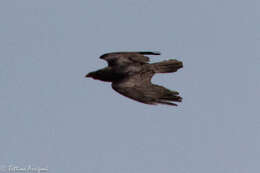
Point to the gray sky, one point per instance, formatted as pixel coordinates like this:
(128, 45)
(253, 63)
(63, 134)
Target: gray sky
(51, 116)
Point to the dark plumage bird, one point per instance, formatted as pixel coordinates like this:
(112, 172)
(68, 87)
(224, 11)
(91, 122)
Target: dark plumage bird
(131, 74)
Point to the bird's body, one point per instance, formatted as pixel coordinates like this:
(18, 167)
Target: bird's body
(131, 74)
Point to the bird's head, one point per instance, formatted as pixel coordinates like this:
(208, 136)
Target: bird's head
(104, 74)
(99, 74)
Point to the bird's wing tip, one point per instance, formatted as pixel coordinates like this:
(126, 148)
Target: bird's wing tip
(150, 53)
(157, 53)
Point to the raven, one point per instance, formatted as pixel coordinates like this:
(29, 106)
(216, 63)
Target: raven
(131, 74)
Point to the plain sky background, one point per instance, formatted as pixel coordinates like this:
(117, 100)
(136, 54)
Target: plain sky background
(51, 116)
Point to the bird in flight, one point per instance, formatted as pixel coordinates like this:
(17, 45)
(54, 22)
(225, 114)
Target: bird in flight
(131, 74)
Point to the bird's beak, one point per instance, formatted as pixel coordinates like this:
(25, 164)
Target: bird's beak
(88, 75)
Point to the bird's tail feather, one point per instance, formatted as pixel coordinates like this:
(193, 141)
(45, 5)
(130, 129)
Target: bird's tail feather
(168, 66)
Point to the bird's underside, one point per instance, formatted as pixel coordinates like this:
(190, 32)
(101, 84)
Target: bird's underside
(131, 74)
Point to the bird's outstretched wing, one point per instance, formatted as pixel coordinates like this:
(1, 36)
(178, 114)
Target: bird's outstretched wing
(126, 58)
(139, 87)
